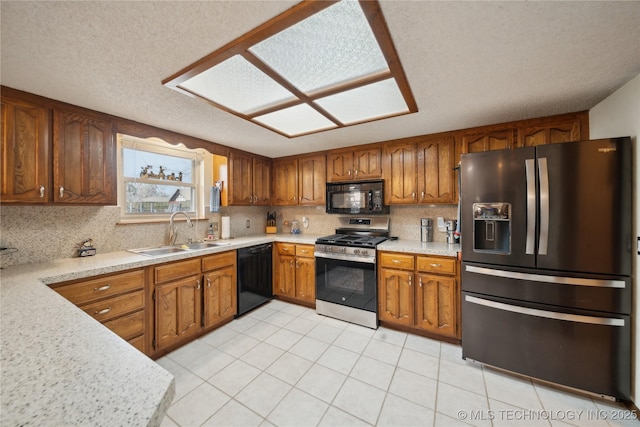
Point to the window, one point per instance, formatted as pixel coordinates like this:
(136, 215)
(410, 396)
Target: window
(321, 65)
(156, 179)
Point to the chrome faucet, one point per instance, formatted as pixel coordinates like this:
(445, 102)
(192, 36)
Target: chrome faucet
(173, 233)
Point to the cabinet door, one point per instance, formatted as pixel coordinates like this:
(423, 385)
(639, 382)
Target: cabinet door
(84, 159)
(25, 152)
(474, 142)
(241, 185)
(261, 182)
(436, 304)
(311, 180)
(564, 131)
(284, 282)
(306, 279)
(367, 163)
(220, 296)
(400, 173)
(436, 178)
(178, 311)
(396, 296)
(340, 166)
(285, 186)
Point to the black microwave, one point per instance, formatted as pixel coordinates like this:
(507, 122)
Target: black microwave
(365, 197)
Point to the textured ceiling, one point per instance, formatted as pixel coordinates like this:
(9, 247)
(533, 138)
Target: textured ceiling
(468, 63)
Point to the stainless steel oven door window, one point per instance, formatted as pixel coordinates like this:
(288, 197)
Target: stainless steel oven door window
(348, 283)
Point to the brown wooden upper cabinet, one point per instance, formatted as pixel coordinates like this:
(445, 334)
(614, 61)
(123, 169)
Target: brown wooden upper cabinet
(477, 140)
(564, 128)
(250, 182)
(436, 177)
(420, 170)
(349, 165)
(299, 180)
(25, 151)
(84, 159)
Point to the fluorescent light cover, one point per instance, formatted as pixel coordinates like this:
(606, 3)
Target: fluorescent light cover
(239, 86)
(296, 120)
(376, 100)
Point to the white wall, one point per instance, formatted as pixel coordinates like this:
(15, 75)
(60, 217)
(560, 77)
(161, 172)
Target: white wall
(619, 115)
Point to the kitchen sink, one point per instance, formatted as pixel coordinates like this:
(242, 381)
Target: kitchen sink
(164, 250)
(160, 250)
(202, 245)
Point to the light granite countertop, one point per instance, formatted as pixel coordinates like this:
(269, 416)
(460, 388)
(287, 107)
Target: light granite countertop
(58, 366)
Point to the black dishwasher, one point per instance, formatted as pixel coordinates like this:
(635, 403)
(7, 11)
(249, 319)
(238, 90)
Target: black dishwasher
(254, 277)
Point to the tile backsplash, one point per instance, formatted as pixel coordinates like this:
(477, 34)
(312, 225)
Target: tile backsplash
(42, 233)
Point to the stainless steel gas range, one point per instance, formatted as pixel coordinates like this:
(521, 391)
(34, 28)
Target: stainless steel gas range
(346, 279)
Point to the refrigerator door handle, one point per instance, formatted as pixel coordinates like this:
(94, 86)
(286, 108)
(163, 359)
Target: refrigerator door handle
(543, 174)
(560, 280)
(531, 206)
(607, 321)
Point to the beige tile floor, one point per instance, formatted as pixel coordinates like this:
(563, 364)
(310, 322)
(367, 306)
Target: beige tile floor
(284, 365)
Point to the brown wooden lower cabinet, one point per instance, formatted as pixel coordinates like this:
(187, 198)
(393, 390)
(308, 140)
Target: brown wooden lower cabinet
(419, 293)
(220, 291)
(116, 300)
(294, 273)
(177, 310)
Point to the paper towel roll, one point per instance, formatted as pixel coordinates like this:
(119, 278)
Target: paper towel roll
(226, 227)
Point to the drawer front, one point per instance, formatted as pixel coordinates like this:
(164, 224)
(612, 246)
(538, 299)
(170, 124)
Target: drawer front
(286, 248)
(305, 251)
(436, 265)
(393, 260)
(176, 270)
(138, 343)
(93, 290)
(113, 307)
(129, 326)
(213, 262)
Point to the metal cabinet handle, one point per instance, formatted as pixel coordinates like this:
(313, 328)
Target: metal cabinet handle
(410, 280)
(104, 311)
(197, 284)
(420, 281)
(396, 261)
(42, 191)
(349, 172)
(208, 282)
(285, 249)
(297, 264)
(291, 263)
(304, 251)
(435, 265)
(422, 196)
(356, 172)
(61, 191)
(103, 288)
(413, 195)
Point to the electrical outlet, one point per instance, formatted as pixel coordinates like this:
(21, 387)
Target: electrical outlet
(215, 226)
(248, 223)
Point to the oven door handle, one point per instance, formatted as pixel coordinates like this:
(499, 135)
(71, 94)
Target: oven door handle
(341, 257)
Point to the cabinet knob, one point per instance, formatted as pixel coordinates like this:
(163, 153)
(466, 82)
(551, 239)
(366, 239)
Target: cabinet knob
(42, 191)
(61, 191)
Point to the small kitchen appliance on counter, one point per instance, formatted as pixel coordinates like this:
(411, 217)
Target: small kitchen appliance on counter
(346, 279)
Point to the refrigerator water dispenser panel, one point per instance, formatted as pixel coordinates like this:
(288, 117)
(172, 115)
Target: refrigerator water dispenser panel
(492, 227)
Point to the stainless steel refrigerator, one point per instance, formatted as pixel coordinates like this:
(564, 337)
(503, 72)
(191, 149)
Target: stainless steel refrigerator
(546, 272)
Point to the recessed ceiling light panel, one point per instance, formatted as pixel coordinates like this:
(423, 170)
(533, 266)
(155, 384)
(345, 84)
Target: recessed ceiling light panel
(318, 66)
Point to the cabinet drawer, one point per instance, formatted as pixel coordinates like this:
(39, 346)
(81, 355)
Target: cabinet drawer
(286, 248)
(436, 265)
(113, 307)
(397, 261)
(216, 261)
(138, 343)
(305, 251)
(93, 290)
(176, 270)
(129, 326)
